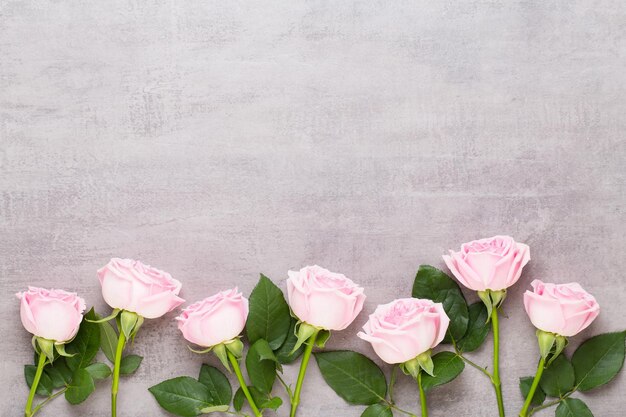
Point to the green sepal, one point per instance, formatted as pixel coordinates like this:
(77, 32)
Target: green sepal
(561, 342)
(492, 299)
(304, 333)
(215, 409)
(222, 355)
(546, 341)
(201, 352)
(46, 347)
(235, 346)
(113, 315)
(61, 350)
(423, 361)
(322, 338)
(128, 321)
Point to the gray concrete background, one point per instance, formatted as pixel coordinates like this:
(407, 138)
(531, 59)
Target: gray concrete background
(217, 140)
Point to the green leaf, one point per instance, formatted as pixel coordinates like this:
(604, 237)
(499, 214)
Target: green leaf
(524, 386)
(558, 378)
(269, 316)
(183, 396)
(271, 403)
(45, 385)
(477, 328)
(377, 410)
(108, 340)
(598, 360)
(260, 399)
(80, 388)
(261, 367)
(283, 354)
(85, 345)
(353, 376)
(572, 407)
(98, 370)
(129, 364)
(447, 367)
(215, 409)
(435, 285)
(238, 400)
(59, 373)
(217, 383)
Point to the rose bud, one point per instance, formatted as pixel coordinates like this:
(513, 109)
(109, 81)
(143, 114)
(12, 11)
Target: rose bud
(562, 309)
(133, 286)
(405, 330)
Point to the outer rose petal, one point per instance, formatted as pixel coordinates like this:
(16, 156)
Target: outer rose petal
(544, 313)
(117, 292)
(28, 321)
(56, 320)
(298, 302)
(157, 305)
(444, 322)
(469, 281)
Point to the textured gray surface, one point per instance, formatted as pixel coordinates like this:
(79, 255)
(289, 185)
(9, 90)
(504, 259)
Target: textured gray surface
(219, 139)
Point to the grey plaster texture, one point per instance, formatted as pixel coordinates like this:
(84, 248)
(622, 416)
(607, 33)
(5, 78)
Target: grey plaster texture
(220, 139)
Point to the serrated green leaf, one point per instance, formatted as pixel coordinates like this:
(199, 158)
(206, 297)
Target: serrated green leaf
(353, 376)
(377, 410)
(260, 399)
(269, 316)
(572, 407)
(598, 360)
(261, 367)
(129, 364)
(80, 388)
(45, 385)
(183, 396)
(217, 383)
(108, 340)
(272, 403)
(98, 370)
(59, 373)
(436, 285)
(524, 385)
(558, 378)
(85, 345)
(477, 328)
(283, 354)
(447, 366)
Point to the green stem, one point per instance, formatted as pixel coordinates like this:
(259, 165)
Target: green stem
(533, 388)
(495, 379)
(121, 342)
(284, 384)
(33, 389)
(305, 362)
(47, 400)
(422, 395)
(242, 383)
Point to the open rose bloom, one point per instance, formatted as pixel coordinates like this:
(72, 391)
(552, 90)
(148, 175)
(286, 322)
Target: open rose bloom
(405, 328)
(214, 320)
(563, 309)
(133, 286)
(324, 299)
(488, 264)
(51, 314)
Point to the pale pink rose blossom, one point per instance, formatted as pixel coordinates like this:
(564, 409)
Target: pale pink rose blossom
(51, 314)
(564, 309)
(324, 299)
(488, 264)
(405, 328)
(214, 320)
(133, 286)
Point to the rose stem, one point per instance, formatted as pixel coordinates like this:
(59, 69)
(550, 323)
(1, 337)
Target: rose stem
(305, 362)
(533, 387)
(495, 379)
(422, 395)
(31, 396)
(121, 342)
(242, 383)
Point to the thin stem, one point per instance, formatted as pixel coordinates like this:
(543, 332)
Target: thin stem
(495, 379)
(533, 388)
(473, 364)
(422, 395)
(47, 400)
(121, 342)
(242, 383)
(33, 389)
(305, 362)
(284, 384)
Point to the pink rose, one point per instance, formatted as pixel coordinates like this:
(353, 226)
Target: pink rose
(488, 264)
(324, 299)
(215, 319)
(51, 314)
(405, 328)
(564, 309)
(133, 286)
